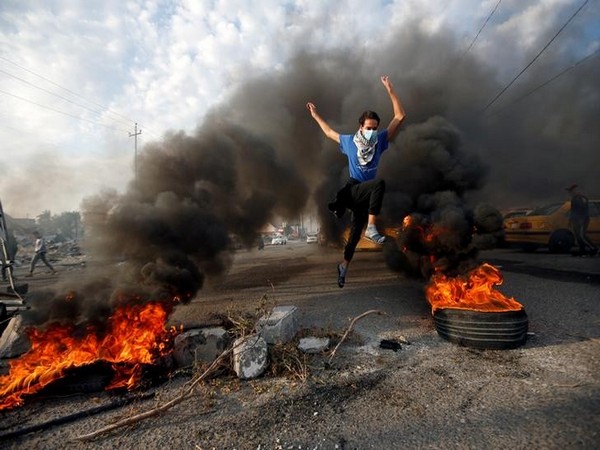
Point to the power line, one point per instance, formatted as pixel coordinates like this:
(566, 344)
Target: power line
(95, 111)
(104, 108)
(482, 27)
(66, 89)
(547, 82)
(491, 102)
(60, 112)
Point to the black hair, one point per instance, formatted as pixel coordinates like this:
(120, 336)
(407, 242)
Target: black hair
(368, 115)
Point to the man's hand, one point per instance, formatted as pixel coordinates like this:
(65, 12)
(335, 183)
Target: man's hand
(312, 108)
(399, 114)
(387, 83)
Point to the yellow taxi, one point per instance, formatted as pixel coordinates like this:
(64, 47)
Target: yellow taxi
(548, 226)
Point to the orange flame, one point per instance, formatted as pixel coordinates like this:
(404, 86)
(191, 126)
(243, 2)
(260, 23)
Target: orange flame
(474, 291)
(135, 335)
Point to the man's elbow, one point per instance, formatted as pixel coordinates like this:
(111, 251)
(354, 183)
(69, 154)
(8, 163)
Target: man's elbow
(334, 136)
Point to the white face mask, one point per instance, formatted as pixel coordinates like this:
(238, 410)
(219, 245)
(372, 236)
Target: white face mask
(368, 134)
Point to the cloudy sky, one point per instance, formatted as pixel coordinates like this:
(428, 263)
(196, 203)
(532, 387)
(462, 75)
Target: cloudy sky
(76, 75)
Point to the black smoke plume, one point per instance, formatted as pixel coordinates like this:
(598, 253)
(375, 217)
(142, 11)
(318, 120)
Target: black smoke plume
(259, 155)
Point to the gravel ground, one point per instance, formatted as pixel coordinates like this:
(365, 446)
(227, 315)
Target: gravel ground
(429, 394)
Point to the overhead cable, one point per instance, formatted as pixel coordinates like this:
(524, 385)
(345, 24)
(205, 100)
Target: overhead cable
(492, 101)
(547, 82)
(95, 111)
(61, 112)
(482, 27)
(66, 89)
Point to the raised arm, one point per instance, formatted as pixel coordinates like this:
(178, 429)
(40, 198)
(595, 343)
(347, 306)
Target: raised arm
(327, 130)
(399, 114)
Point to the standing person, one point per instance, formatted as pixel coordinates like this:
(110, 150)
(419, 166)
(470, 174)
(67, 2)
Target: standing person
(363, 193)
(40, 254)
(579, 220)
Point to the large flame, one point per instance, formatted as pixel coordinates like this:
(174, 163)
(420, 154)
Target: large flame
(474, 291)
(135, 335)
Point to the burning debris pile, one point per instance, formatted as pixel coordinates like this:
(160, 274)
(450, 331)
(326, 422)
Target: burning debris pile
(151, 249)
(440, 238)
(135, 335)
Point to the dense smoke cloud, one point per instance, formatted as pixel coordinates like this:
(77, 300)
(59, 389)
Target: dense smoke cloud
(259, 155)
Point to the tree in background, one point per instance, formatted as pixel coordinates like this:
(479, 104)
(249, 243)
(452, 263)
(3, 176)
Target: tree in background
(65, 226)
(68, 224)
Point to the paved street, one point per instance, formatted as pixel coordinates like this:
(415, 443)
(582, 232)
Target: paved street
(435, 394)
(430, 394)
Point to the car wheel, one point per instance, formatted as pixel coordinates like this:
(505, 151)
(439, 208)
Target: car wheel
(529, 248)
(561, 241)
(483, 330)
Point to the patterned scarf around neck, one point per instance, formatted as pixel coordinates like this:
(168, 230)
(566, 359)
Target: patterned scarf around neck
(366, 148)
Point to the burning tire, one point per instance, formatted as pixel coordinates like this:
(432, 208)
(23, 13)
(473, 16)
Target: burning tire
(482, 330)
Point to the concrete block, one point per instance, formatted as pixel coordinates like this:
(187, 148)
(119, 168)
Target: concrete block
(280, 326)
(313, 344)
(199, 345)
(250, 357)
(14, 342)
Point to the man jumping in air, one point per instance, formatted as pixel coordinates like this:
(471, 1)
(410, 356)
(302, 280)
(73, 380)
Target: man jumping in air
(363, 193)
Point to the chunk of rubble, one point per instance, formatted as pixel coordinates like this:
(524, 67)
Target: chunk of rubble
(14, 341)
(199, 345)
(313, 344)
(279, 326)
(250, 357)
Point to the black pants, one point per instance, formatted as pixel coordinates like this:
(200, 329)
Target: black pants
(362, 199)
(580, 231)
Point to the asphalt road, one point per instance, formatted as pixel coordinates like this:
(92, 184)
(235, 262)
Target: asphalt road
(430, 394)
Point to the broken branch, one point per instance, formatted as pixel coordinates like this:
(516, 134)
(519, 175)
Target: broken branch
(352, 323)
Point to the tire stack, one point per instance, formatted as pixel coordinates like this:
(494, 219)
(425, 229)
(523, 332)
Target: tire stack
(482, 330)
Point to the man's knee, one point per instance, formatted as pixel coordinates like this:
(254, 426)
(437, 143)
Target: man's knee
(376, 197)
(378, 190)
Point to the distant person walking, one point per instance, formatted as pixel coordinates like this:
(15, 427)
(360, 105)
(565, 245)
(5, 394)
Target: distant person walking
(40, 254)
(579, 219)
(363, 193)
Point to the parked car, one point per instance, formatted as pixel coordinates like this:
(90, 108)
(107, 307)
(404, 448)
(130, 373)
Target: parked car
(548, 226)
(279, 240)
(311, 238)
(516, 212)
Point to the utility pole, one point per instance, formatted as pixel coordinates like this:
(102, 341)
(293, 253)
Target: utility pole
(135, 134)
